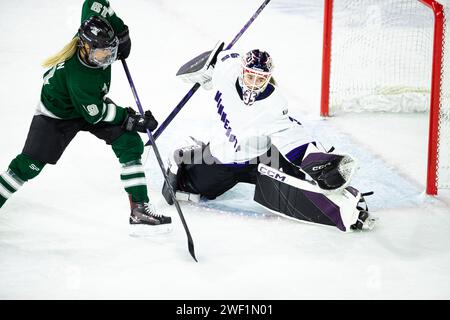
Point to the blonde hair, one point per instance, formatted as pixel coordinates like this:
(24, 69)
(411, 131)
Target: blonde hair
(65, 53)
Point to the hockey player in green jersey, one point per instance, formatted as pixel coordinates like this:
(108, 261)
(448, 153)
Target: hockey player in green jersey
(73, 99)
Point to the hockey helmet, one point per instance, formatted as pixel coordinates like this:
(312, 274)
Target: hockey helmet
(101, 40)
(256, 72)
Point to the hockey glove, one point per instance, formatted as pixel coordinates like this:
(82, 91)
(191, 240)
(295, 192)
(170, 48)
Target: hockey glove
(330, 171)
(137, 122)
(124, 44)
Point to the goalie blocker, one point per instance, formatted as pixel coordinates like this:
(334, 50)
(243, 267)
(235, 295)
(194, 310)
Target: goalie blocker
(199, 69)
(304, 200)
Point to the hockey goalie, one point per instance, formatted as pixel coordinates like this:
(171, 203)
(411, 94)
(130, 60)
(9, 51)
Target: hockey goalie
(254, 140)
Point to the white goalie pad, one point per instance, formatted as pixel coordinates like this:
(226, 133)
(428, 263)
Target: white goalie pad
(200, 69)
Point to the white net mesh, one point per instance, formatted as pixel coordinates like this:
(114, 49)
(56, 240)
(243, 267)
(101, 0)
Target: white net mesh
(381, 56)
(381, 60)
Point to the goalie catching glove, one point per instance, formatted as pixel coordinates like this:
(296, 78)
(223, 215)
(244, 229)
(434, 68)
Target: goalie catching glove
(330, 171)
(199, 70)
(136, 122)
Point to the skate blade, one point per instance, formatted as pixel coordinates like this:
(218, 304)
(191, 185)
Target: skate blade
(142, 230)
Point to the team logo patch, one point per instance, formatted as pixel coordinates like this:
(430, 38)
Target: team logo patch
(95, 30)
(92, 110)
(33, 167)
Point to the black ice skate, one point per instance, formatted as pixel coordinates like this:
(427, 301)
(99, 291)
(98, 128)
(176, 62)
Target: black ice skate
(145, 221)
(144, 213)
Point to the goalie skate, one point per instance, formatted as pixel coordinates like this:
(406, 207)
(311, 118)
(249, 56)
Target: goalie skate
(365, 221)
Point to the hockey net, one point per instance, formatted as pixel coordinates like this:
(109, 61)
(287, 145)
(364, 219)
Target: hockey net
(391, 56)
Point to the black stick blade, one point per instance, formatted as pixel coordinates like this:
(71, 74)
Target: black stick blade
(191, 249)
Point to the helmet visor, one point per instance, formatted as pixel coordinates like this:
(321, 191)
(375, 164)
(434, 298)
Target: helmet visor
(255, 80)
(104, 56)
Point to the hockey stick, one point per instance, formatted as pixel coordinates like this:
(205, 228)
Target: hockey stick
(161, 165)
(191, 92)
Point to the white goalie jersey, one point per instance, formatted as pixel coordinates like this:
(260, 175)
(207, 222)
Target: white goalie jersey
(241, 132)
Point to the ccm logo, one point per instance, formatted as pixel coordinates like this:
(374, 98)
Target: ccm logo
(316, 168)
(272, 174)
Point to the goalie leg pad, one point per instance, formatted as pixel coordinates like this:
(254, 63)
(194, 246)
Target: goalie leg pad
(297, 203)
(299, 199)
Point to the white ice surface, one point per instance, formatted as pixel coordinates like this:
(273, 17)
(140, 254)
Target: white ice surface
(65, 234)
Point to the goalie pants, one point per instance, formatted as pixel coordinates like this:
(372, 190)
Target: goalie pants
(212, 180)
(48, 138)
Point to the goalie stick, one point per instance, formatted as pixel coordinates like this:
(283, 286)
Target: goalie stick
(195, 87)
(161, 165)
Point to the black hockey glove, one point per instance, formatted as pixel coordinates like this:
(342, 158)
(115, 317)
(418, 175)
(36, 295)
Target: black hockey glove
(137, 122)
(325, 171)
(124, 44)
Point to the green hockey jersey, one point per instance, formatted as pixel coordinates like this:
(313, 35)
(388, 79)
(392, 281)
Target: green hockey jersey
(73, 89)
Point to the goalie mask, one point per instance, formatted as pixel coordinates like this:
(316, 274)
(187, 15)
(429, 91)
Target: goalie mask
(99, 42)
(256, 73)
